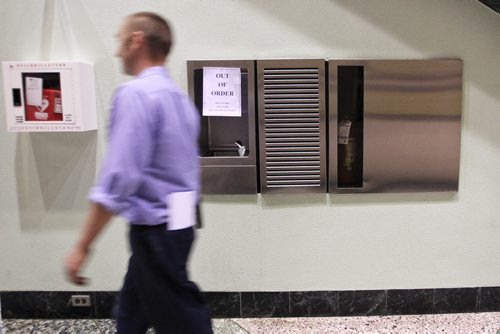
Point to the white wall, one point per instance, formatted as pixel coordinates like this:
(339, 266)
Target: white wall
(254, 243)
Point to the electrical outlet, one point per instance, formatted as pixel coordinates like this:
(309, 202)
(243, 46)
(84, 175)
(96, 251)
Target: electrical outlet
(80, 300)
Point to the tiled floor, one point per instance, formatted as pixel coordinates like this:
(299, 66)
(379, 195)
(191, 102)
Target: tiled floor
(446, 323)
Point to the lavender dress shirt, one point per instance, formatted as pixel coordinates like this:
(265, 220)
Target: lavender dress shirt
(152, 149)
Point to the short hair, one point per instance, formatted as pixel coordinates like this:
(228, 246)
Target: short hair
(156, 31)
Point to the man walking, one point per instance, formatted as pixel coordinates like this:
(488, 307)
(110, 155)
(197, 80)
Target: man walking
(150, 176)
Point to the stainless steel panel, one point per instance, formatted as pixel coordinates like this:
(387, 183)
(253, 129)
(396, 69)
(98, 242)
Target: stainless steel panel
(229, 179)
(292, 129)
(412, 123)
(223, 170)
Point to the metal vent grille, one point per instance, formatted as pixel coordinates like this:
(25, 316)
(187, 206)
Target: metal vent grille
(293, 112)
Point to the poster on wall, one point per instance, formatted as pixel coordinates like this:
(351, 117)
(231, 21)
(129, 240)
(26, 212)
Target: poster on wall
(49, 96)
(221, 91)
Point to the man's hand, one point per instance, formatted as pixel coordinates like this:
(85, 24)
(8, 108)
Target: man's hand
(97, 218)
(73, 265)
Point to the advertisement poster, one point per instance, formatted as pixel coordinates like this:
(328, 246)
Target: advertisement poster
(221, 91)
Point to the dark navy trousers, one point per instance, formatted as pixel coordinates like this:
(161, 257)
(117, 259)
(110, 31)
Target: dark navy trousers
(157, 292)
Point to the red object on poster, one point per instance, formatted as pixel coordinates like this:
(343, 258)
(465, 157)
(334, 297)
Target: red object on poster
(51, 109)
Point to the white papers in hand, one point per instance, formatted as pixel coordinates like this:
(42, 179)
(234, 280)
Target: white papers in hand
(181, 210)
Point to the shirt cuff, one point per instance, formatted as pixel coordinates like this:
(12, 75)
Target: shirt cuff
(108, 201)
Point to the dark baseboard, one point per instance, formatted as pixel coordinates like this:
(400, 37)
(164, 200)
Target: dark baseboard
(56, 304)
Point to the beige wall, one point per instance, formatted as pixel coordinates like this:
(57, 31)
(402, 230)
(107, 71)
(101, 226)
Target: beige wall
(254, 243)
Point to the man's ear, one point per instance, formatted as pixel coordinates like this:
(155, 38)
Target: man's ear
(137, 40)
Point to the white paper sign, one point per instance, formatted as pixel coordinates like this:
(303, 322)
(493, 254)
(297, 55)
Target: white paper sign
(181, 210)
(221, 91)
(34, 87)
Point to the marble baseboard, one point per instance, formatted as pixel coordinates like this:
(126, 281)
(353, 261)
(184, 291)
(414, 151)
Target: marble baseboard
(265, 304)
(401, 302)
(56, 304)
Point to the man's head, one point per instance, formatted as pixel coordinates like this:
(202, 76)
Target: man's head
(145, 40)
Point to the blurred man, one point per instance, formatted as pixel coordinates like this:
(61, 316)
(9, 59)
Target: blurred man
(150, 176)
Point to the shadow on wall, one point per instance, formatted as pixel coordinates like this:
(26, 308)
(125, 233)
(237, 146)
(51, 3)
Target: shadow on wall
(466, 30)
(54, 172)
(429, 29)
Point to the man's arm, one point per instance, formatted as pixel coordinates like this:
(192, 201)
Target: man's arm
(97, 218)
(129, 151)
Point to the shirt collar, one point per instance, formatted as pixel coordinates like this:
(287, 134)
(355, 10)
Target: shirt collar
(155, 70)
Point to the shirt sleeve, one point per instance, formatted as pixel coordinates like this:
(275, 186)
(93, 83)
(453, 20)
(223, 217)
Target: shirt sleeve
(129, 150)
